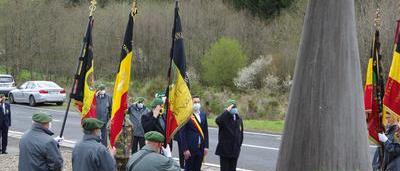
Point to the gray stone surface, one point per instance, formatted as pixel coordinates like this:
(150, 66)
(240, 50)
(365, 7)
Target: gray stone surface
(325, 126)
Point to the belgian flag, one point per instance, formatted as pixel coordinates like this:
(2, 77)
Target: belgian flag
(121, 85)
(374, 91)
(179, 100)
(84, 92)
(391, 101)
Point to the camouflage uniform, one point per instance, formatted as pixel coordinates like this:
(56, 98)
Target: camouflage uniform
(123, 144)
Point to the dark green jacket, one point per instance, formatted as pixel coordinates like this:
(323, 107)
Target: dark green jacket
(153, 161)
(38, 151)
(90, 155)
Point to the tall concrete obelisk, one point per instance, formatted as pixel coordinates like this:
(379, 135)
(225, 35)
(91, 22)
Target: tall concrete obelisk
(325, 128)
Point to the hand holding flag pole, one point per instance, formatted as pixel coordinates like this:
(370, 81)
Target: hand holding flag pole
(92, 8)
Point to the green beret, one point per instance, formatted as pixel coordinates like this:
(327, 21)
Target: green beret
(92, 123)
(154, 136)
(101, 87)
(42, 117)
(230, 102)
(140, 99)
(160, 94)
(155, 102)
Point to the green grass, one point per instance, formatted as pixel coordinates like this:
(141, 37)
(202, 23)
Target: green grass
(257, 125)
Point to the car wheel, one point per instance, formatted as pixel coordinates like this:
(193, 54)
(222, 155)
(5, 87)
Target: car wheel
(59, 103)
(11, 99)
(32, 101)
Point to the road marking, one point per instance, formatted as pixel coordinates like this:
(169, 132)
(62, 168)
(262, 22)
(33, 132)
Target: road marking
(262, 147)
(45, 109)
(71, 144)
(254, 133)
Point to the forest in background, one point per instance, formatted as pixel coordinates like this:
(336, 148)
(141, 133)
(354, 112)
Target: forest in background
(234, 48)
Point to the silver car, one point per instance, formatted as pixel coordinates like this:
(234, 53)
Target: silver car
(7, 84)
(34, 92)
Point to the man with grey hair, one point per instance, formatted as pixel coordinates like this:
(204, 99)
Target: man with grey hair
(37, 149)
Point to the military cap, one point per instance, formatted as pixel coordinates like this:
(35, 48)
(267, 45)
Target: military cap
(230, 102)
(155, 102)
(42, 117)
(154, 136)
(2, 95)
(160, 94)
(92, 123)
(101, 87)
(140, 99)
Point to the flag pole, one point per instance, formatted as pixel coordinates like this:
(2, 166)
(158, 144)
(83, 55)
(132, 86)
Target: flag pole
(169, 71)
(92, 8)
(380, 84)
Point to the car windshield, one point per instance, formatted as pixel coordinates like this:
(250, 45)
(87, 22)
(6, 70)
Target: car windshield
(6, 80)
(47, 85)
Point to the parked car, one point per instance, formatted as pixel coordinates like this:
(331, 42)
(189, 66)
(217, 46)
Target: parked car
(34, 92)
(7, 84)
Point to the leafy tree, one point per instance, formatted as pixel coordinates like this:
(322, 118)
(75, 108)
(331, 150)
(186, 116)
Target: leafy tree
(262, 8)
(221, 63)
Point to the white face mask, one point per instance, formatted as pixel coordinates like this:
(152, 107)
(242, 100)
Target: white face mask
(102, 92)
(196, 107)
(140, 105)
(49, 125)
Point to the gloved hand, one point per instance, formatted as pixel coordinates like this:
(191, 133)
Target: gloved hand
(59, 139)
(167, 151)
(382, 137)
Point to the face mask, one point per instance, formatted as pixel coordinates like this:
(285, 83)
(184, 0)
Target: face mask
(49, 125)
(196, 107)
(102, 92)
(140, 105)
(234, 111)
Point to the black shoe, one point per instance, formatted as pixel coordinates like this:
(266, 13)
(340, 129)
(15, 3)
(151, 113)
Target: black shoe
(4, 152)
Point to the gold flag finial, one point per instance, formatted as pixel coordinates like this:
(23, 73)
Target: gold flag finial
(134, 9)
(92, 7)
(377, 20)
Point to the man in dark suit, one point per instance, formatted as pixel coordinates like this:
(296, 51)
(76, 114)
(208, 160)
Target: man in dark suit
(194, 138)
(5, 122)
(230, 136)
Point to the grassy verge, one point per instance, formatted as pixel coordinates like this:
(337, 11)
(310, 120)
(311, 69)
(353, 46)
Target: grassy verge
(257, 125)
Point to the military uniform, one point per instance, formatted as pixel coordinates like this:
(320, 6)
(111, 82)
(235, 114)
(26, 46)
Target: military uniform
(103, 113)
(147, 159)
(37, 149)
(135, 116)
(123, 144)
(89, 154)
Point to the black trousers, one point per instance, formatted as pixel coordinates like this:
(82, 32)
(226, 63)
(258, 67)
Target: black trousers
(194, 163)
(181, 156)
(4, 138)
(228, 164)
(137, 141)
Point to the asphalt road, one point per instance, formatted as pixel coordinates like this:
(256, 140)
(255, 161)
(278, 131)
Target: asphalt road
(259, 151)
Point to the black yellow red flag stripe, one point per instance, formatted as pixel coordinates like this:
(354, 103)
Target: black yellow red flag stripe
(179, 99)
(84, 92)
(121, 85)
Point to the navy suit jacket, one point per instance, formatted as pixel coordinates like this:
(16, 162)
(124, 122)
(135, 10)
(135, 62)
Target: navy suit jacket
(5, 118)
(189, 136)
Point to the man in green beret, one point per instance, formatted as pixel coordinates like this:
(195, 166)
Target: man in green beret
(89, 154)
(153, 121)
(230, 136)
(103, 110)
(37, 149)
(136, 111)
(149, 157)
